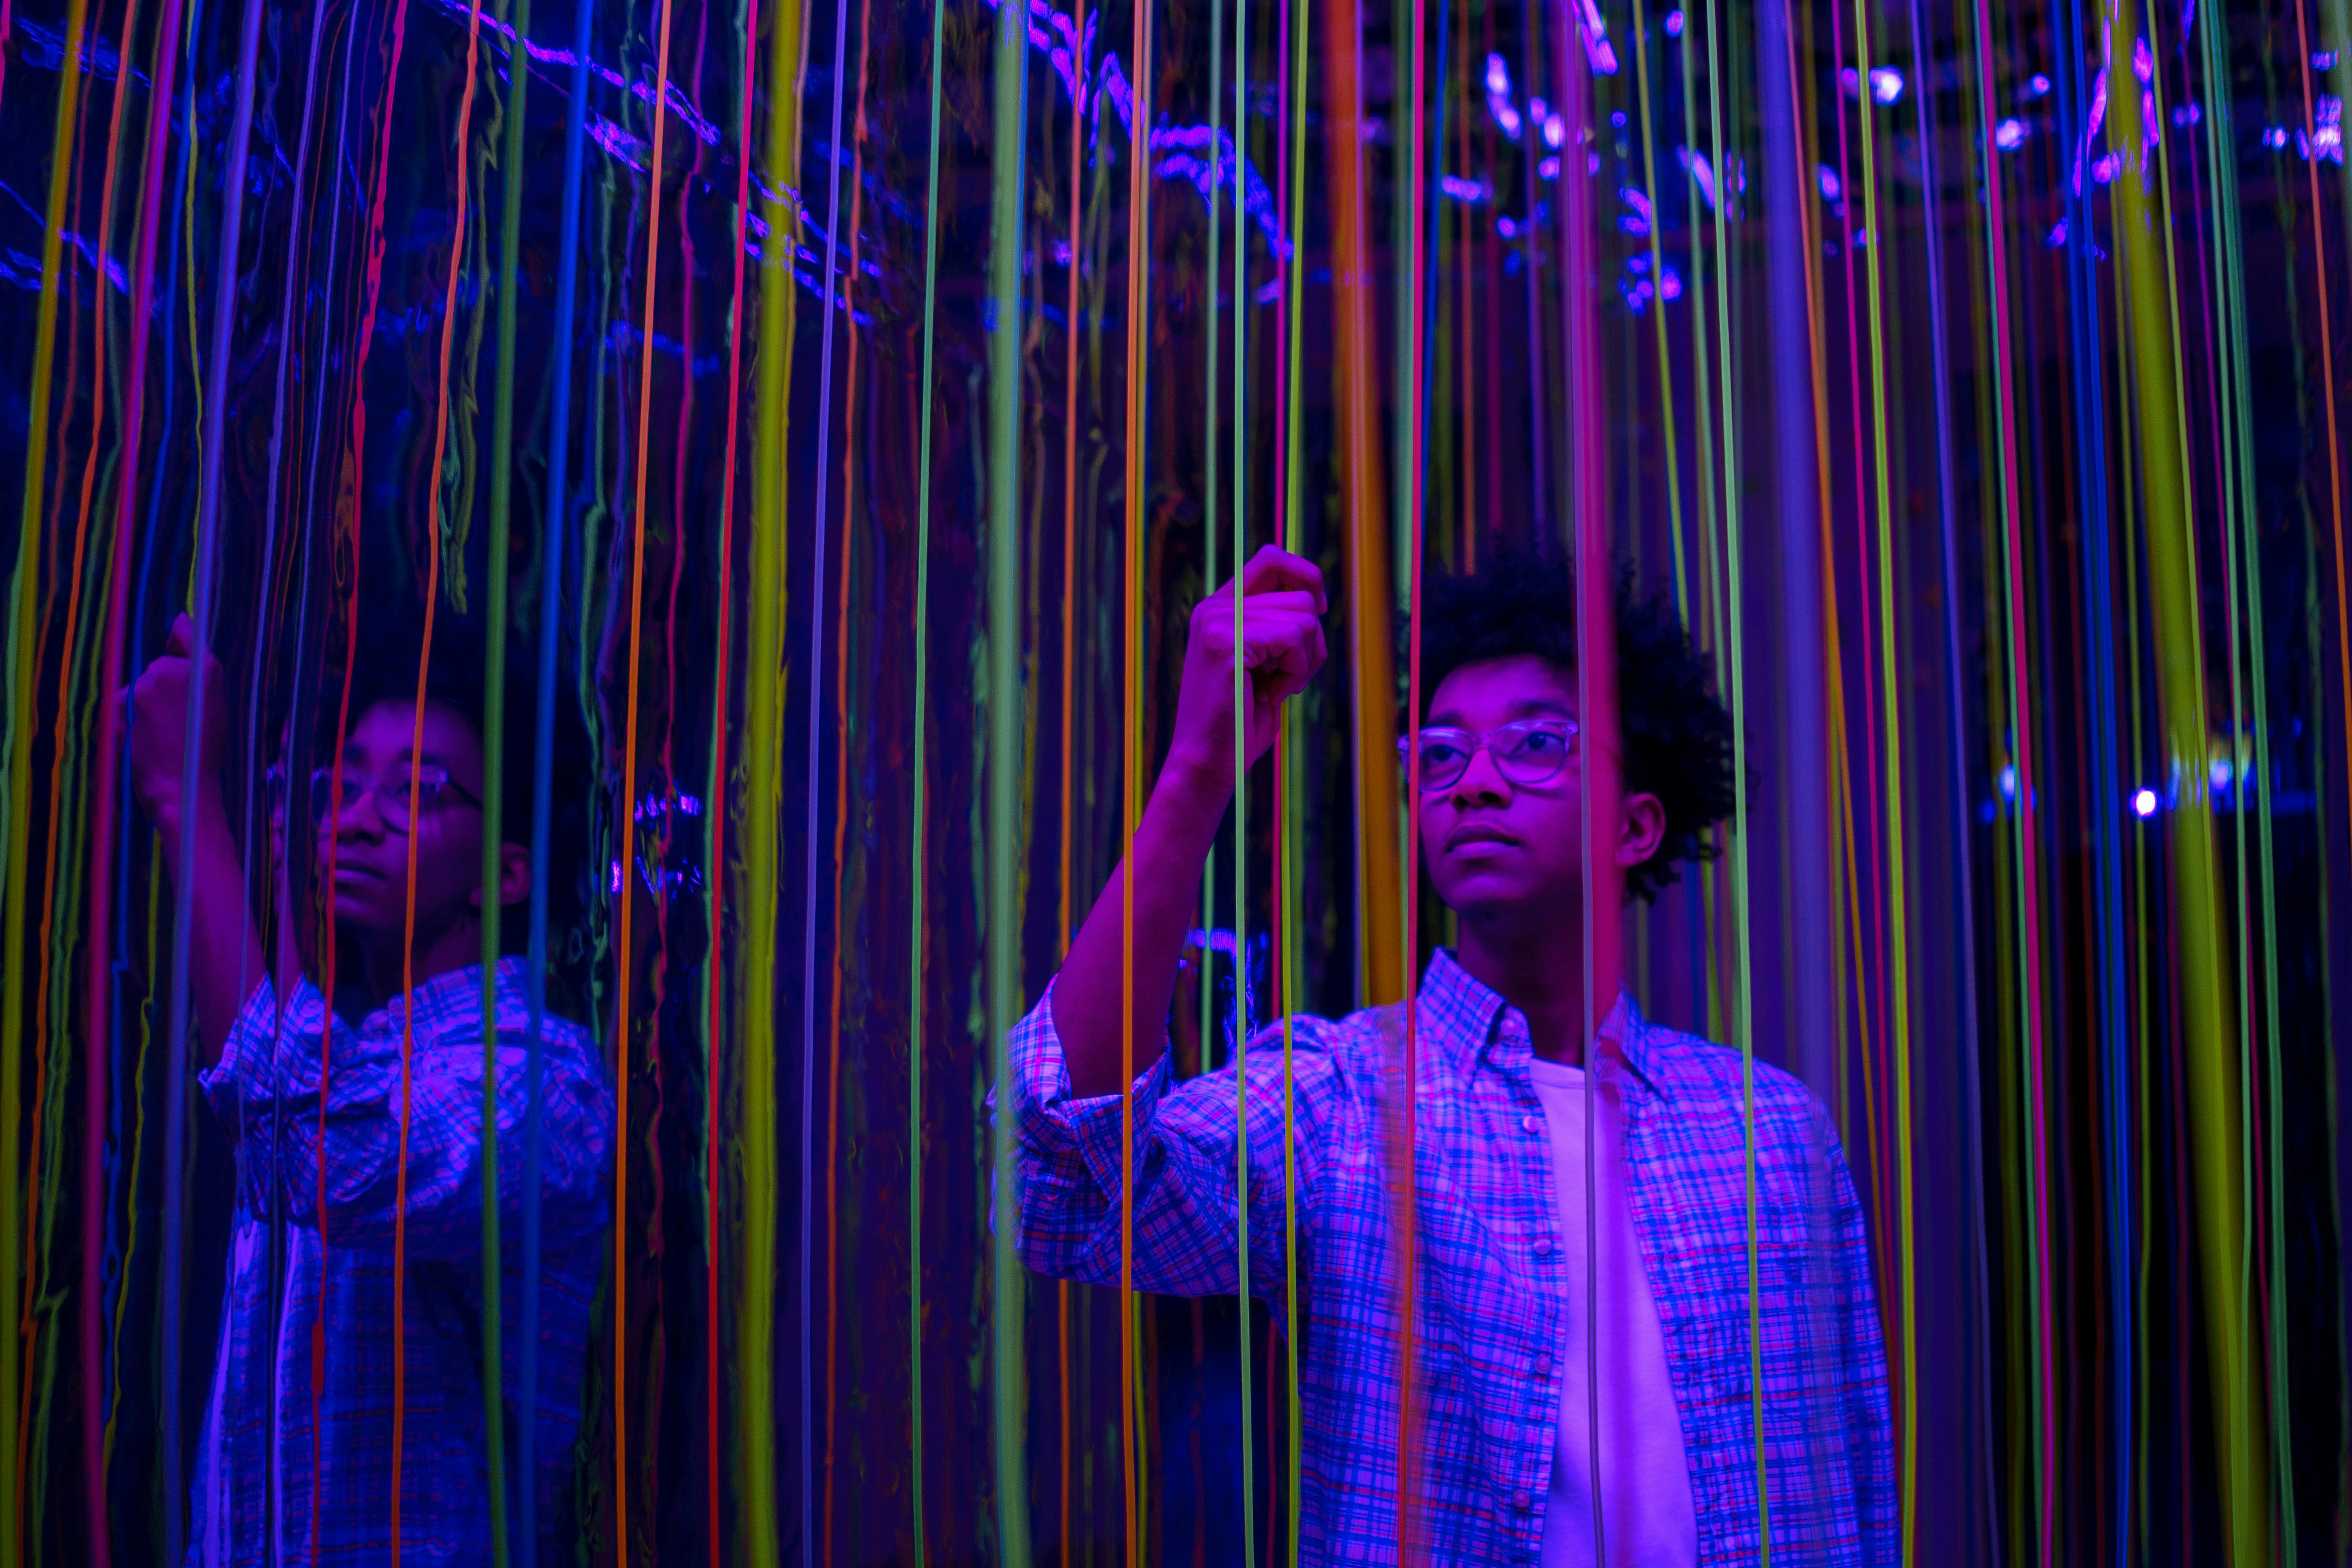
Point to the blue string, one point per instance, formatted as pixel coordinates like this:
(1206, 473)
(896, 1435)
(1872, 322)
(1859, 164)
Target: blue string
(815, 800)
(135, 657)
(2083, 295)
(550, 600)
(1975, 1356)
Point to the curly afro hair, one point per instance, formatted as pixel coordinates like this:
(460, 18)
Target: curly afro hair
(1677, 736)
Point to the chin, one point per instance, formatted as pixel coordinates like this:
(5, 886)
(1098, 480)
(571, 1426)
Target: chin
(1481, 894)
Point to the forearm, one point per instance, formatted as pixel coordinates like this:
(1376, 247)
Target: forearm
(226, 958)
(1171, 846)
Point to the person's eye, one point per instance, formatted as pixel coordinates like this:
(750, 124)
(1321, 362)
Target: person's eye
(1439, 752)
(1539, 744)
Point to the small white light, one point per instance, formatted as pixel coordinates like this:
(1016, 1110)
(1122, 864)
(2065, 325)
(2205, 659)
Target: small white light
(2144, 802)
(2219, 773)
(1674, 24)
(2009, 783)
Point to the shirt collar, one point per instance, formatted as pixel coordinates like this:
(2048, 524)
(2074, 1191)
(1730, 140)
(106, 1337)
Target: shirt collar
(443, 994)
(1466, 1016)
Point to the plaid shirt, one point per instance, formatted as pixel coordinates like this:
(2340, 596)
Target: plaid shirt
(1489, 1320)
(290, 1276)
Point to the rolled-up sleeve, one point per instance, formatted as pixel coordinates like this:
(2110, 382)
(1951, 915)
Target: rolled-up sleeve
(1191, 1143)
(335, 1134)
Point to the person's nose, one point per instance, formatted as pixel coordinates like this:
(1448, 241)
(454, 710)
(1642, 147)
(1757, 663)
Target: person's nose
(360, 816)
(1482, 783)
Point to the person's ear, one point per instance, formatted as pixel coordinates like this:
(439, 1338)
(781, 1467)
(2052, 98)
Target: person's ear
(1640, 830)
(514, 873)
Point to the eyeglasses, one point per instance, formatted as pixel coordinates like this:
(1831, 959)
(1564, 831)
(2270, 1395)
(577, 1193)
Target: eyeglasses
(1530, 752)
(429, 781)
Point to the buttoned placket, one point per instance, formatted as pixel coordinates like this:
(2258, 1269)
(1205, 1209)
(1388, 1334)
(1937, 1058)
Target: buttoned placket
(1511, 1047)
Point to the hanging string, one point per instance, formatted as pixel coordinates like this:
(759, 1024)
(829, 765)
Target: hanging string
(841, 769)
(25, 638)
(1972, 1141)
(763, 734)
(416, 761)
(1898, 982)
(1289, 940)
(815, 800)
(918, 865)
(1667, 422)
(99, 988)
(550, 604)
(722, 723)
(624, 949)
(1242, 986)
(167, 47)
(1008, 1317)
(494, 721)
(1138, 306)
(2026, 890)
(1062, 923)
(2233, 429)
(296, 860)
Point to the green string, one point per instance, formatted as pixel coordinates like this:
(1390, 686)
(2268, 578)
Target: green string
(1730, 657)
(2239, 512)
(1295, 539)
(1667, 422)
(1891, 761)
(494, 712)
(1241, 732)
(1005, 752)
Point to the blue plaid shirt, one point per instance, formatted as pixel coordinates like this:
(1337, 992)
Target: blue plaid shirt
(309, 1288)
(1489, 1320)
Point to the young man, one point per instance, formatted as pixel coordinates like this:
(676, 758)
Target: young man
(360, 1147)
(1516, 1305)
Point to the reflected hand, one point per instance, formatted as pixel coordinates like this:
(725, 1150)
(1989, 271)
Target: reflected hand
(158, 702)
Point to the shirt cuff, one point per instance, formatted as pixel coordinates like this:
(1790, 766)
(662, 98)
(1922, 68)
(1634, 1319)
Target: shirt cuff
(1046, 1108)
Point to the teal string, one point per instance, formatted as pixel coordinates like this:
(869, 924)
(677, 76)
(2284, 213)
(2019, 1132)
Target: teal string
(916, 862)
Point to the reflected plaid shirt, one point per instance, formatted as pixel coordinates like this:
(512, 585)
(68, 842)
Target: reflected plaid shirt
(1489, 1319)
(336, 1279)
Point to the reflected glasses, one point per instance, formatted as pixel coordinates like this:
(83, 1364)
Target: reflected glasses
(431, 784)
(1530, 752)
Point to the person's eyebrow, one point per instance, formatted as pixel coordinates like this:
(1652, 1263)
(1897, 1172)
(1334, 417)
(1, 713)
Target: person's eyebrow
(1541, 708)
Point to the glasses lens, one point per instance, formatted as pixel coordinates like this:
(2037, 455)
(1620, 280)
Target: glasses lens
(322, 795)
(1530, 753)
(1444, 754)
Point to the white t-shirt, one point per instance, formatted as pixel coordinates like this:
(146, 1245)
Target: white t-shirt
(1648, 1518)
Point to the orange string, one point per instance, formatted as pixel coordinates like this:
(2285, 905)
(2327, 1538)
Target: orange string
(415, 761)
(1069, 652)
(622, 949)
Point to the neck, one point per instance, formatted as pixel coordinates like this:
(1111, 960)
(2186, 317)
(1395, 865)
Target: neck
(443, 944)
(1539, 968)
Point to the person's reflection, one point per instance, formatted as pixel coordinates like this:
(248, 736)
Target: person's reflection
(360, 1147)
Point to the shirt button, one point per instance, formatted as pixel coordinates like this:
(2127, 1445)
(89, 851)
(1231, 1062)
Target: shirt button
(1531, 1124)
(1522, 1500)
(1543, 1246)
(1543, 1366)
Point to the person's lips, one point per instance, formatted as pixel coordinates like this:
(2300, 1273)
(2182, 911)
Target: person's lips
(1472, 834)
